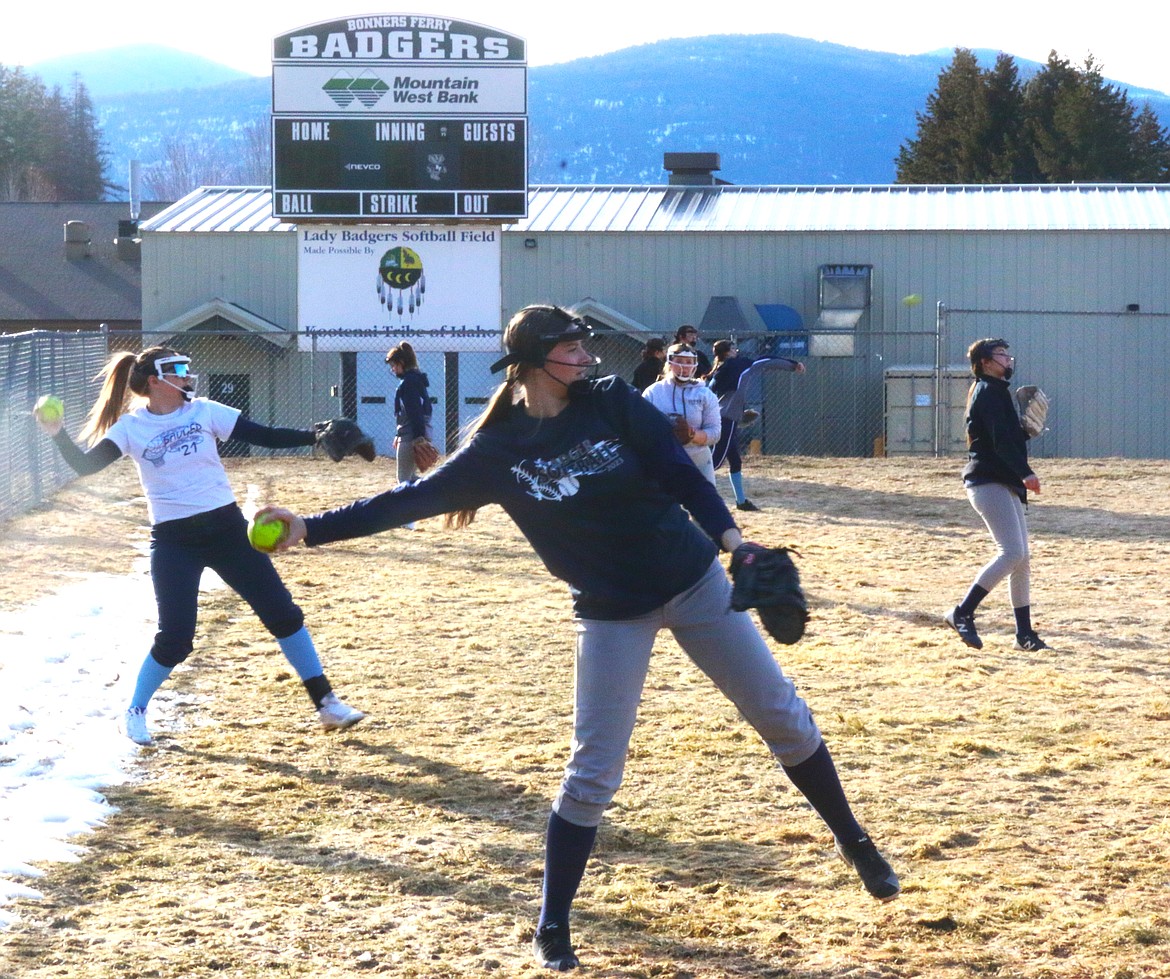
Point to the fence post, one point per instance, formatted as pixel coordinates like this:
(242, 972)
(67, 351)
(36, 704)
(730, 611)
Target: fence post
(940, 315)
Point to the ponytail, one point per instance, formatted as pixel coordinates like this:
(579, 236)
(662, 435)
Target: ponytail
(497, 410)
(123, 375)
(112, 398)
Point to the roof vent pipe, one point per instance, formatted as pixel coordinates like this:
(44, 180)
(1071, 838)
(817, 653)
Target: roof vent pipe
(77, 240)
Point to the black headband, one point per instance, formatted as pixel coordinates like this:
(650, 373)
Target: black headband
(575, 328)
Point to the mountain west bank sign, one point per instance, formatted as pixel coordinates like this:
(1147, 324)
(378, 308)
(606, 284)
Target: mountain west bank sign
(399, 117)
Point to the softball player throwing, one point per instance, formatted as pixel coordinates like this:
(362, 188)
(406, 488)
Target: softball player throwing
(593, 476)
(728, 381)
(195, 521)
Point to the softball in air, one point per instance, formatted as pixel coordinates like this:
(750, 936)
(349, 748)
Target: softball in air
(912, 300)
(266, 535)
(49, 408)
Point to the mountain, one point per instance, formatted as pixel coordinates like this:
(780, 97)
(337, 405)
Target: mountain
(778, 109)
(135, 68)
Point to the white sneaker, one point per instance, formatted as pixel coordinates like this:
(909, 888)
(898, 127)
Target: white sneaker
(135, 725)
(336, 715)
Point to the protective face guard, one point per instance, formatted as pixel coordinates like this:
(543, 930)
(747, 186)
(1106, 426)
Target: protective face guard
(683, 366)
(180, 367)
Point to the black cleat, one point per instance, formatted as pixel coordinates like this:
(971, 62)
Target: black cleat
(875, 873)
(1029, 642)
(552, 949)
(964, 625)
(746, 505)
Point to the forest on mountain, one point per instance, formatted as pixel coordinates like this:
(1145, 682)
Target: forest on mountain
(805, 113)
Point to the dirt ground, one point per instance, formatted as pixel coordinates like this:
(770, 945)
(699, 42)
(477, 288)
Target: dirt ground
(1021, 796)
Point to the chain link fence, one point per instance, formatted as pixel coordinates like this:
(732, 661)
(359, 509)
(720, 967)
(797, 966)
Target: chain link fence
(840, 407)
(1104, 374)
(32, 364)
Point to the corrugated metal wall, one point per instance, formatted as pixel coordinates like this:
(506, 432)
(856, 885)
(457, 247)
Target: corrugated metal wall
(182, 271)
(1060, 297)
(666, 279)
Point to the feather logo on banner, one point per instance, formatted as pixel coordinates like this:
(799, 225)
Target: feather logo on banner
(401, 271)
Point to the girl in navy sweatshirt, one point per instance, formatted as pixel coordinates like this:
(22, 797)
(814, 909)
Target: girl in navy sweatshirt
(998, 478)
(594, 478)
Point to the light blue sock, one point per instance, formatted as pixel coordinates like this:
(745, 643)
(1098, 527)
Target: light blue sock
(737, 486)
(299, 650)
(151, 676)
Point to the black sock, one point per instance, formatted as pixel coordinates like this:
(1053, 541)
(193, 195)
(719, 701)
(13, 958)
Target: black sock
(566, 851)
(971, 602)
(816, 777)
(318, 688)
(1023, 620)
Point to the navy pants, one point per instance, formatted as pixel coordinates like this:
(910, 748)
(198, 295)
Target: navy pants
(727, 448)
(217, 539)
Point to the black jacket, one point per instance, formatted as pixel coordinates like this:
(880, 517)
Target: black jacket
(647, 372)
(997, 443)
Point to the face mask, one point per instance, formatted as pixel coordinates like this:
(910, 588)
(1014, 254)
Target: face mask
(180, 370)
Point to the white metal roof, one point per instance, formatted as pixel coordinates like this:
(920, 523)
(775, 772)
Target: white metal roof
(219, 209)
(839, 208)
(1052, 207)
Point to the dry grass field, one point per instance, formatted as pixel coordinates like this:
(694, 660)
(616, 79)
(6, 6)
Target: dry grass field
(1022, 797)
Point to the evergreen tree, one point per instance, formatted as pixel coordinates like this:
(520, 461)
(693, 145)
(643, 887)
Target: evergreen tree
(951, 147)
(50, 144)
(1008, 155)
(1066, 124)
(1081, 128)
(23, 111)
(1152, 164)
(83, 178)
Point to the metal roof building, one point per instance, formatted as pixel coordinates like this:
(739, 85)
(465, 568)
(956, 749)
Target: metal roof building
(776, 209)
(1076, 276)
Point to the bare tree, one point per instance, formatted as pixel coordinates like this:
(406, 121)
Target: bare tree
(243, 159)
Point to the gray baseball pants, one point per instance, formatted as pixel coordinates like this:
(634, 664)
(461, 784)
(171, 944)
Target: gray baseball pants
(613, 658)
(1003, 511)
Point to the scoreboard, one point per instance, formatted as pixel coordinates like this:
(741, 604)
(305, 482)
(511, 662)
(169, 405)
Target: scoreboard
(399, 117)
(416, 168)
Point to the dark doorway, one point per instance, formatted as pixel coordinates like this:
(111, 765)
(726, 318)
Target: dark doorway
(234, 390)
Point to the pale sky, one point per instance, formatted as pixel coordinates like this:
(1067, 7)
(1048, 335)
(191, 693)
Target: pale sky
(239, 34)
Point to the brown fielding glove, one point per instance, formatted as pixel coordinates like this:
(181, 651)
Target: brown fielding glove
(1033, 406)
(764, 578)
(425, 454)
(682, 430)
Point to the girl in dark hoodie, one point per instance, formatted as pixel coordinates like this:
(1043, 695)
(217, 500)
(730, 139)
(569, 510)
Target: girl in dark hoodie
(998, 479)
(412, 408)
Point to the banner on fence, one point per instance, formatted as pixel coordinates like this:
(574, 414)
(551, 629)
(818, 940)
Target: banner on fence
(370, 287)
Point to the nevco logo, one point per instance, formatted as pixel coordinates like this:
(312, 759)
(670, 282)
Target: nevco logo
(363, 166)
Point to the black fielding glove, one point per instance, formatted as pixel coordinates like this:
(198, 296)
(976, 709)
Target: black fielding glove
(766, 579)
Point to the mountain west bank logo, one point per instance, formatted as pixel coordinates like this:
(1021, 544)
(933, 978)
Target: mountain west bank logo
(344, 89)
